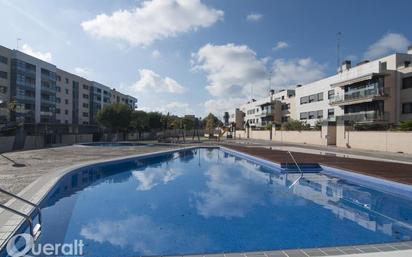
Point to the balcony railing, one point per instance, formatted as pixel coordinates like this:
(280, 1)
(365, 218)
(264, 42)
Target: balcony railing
(363, 117)
(264, 113)
(360, 95)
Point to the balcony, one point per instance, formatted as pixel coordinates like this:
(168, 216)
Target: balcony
(360, 96)
(265, 113)
(365, 117)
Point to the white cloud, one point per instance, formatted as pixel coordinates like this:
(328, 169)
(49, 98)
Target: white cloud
(219, 106)
(153, 20)
(156, 54)
(391, 42)
(231, 70)
(45, 56)
(289, 73)
(83, 71)
(151, 177)
(176, 105)
(152, 82)
(141, 234)
(231, 193)
(254, 17)
(280, 45)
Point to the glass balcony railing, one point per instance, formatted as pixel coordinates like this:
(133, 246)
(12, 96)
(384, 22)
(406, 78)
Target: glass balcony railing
(367, 116)
(356, 95)
(264, 113)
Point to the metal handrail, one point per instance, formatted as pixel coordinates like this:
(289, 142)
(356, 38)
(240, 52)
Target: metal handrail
(27, 217)
(297, 165)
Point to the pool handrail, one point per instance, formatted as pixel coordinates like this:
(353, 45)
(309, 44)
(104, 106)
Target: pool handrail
(297, 165)
(33, 233)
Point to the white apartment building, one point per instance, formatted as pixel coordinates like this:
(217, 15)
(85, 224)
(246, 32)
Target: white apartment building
(273, 109)
(370, 92)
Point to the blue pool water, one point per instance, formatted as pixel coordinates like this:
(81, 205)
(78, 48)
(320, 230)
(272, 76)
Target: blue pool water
(208, 201)
(115, 144)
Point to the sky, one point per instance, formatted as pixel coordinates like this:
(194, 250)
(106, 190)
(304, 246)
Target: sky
(201, 56)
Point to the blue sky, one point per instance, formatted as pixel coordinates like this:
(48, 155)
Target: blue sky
(196, 56)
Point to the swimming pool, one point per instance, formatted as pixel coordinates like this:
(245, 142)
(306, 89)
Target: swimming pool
(115, 144)
(213, 201)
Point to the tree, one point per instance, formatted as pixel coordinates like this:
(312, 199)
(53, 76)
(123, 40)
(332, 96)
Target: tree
(211, 122)
(154, 120)
(139, 121)
(295, 125)
(115, 117)
(405, 125)
(189, 123)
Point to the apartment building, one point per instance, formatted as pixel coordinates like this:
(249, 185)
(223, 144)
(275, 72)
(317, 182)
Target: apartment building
(371, 92)
(118, 97)
(32, 89)
(276, 108)
(47, 99)
(375, 92)
(73, 94)
(234, 116)
(5, 62)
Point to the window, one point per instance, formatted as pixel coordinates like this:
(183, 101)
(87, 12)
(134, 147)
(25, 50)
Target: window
(67, 91)
(66, 112)
(85, 105)
(86, 87)
(311, 115)
(407, 108)
(59, 78)
(85, 114)
(85, 96)
(58, 89)
(331, 93)
(3, 89)
(58, 100)
(320, 96)
(66, 101)
(407, 63)
(3, 59)
(312, 98)
(304, 100)
(57, 110)
(331, 113)
(320, 114)
(67, 81)
(407, 83)
(3, 74)
(285, 107)
(303, 115)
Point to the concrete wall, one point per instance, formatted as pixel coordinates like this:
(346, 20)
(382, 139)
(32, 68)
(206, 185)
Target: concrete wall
(388, 141)
(6, 144)
(73, 139)
(33, 142)
(300, 137)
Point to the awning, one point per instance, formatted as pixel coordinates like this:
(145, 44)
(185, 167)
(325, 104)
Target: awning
(356, 80)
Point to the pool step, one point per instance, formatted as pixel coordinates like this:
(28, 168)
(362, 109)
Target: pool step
(288, 167)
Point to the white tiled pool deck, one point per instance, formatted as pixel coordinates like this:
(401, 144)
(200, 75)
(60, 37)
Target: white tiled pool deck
(36, 187)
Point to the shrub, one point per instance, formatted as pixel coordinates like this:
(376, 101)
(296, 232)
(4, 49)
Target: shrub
(405, 125)
(295, 125)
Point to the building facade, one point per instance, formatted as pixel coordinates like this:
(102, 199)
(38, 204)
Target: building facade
(371, 92)
(40, 95)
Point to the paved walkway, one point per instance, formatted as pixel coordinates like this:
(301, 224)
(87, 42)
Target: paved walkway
(39, 162)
